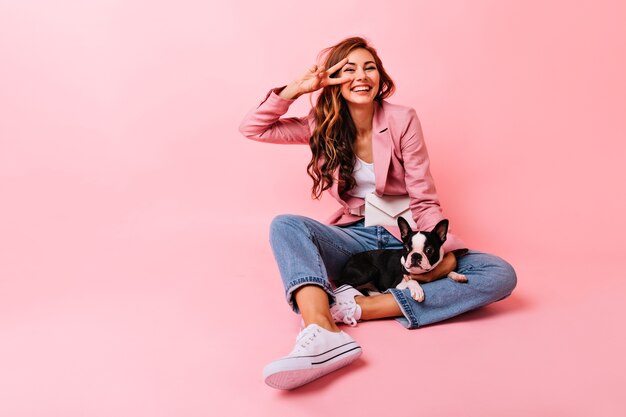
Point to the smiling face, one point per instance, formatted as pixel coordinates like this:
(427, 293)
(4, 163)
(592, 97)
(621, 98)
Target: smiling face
(365, 82)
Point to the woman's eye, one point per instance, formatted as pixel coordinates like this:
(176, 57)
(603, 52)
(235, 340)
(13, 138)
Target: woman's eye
(366, 69)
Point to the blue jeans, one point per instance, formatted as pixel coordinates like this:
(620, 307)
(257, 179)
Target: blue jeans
(312, 253)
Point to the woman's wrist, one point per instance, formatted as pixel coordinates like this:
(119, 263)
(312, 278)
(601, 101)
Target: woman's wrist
(290, 92)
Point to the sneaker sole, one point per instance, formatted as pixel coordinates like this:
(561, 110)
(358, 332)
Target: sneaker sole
(290, 379)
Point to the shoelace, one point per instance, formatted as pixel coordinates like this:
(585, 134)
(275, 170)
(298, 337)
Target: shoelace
(345, 312)
(305, 337)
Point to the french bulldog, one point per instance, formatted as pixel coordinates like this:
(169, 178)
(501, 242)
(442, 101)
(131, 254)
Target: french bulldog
(378, 270)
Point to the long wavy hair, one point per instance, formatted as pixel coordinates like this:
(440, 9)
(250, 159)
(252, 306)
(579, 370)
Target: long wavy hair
(335, 132)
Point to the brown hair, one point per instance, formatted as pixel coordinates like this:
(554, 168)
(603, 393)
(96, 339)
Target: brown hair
(334, 134)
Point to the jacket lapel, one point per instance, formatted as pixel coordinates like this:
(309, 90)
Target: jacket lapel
(381, 147)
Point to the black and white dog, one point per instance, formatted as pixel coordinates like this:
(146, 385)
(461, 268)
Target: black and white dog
(379, 270)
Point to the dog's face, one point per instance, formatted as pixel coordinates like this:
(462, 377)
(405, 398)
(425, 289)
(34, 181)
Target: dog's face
(422, 250)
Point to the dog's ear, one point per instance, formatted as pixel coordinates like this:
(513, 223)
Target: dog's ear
(405, 228)
(442, 230)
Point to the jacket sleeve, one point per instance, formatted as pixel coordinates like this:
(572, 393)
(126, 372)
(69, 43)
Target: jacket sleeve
(420, 185)
(264, 123)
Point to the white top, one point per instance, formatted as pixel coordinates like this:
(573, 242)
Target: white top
(365, 180)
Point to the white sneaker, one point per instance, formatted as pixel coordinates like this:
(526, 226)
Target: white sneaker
(317, 352)
(346, 310)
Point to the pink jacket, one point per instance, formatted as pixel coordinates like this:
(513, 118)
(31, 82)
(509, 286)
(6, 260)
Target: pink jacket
(401, 163)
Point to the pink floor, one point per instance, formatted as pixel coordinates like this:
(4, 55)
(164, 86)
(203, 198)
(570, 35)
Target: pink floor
(168, 321)
(136, 278)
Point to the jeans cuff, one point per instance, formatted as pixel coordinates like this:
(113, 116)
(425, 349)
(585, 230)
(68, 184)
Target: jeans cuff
(401, 296)
(301, 282)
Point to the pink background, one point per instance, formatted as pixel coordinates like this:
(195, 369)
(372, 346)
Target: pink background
(136, 277)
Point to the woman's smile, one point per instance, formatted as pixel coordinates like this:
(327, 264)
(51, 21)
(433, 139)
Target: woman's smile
(361, 66)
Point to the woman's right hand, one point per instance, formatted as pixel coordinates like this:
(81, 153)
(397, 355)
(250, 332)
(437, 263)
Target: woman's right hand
(318, 77)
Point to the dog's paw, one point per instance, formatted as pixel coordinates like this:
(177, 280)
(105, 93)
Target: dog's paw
(403, 284)
(417, 292)
(455, 276)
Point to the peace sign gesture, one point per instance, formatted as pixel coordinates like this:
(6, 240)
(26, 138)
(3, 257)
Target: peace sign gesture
(317, 77)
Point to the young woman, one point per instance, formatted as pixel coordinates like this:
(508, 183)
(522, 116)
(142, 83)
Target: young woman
(360, 144)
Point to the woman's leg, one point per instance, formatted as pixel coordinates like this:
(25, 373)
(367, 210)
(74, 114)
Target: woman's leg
(378, 306)
(314, 307)
(308, 253)
(490, 279)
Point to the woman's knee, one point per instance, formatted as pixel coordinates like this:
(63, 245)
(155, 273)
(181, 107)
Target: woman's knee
(504, 274)
(287, 223)
(497, 276)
